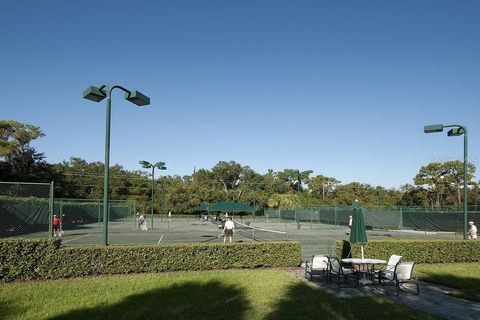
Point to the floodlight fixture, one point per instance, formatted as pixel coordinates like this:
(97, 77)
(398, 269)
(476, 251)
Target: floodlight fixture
(137, 98)
(160, 165)
(455, 132)
(94, 94)
(433, 128)
(145, 164)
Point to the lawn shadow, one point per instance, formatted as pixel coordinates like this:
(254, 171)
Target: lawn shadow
(9, 308)
(466, 287)
(212, 300)
(304, 301)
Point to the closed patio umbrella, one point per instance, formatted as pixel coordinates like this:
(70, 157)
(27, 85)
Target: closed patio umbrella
(358, 234)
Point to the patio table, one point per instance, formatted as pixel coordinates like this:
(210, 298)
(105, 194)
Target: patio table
(367, 263)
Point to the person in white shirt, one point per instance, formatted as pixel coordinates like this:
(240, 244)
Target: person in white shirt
(350, 219)
(228, 230)
(472, 232)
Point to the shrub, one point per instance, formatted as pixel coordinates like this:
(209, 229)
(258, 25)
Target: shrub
(44, 259)
(19, 258)
(420, 251)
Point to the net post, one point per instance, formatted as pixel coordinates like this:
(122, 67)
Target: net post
(50, 212)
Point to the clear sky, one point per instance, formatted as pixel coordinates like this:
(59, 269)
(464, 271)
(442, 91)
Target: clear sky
(343, 88)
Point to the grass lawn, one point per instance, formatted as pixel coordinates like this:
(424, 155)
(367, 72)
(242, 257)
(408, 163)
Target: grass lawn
(465, 277)
(233, 294)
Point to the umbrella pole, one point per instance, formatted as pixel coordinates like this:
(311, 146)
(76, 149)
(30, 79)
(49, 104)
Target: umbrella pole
(362, 251)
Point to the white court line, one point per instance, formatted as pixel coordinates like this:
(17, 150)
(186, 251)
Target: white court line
(160, 239)
(87, 235)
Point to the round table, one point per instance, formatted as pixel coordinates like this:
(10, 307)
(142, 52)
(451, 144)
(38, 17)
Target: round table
(364, 262)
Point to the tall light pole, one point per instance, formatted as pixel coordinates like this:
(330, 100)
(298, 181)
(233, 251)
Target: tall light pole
(255, 185)
(476, 195)
(97, 94)
(160, 166)
(299, 176)
(457, 130)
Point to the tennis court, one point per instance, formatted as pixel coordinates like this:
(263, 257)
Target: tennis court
(315, 237)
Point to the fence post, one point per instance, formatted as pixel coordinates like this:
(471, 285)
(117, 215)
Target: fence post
(401, 219)
(99, 213)
(50, 212)
(61, 209)
(335, 222)
(134, 215)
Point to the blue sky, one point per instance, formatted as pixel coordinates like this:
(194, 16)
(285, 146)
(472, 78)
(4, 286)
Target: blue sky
(343, 88)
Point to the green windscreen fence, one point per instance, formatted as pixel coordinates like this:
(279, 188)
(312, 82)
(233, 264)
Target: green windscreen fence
(85, 211)
(405, 218)
(25, 208)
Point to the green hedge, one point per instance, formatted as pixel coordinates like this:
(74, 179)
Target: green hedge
(22, 259)
(420, 251)
(19, 259)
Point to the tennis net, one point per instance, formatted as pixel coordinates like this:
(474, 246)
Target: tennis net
(260, 234)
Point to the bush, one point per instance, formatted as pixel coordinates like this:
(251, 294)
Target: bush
(420, 251)
(20, 258)
(44, 259)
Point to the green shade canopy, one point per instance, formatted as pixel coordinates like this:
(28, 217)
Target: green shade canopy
(230, 207)
(358, 234)
(202, 207)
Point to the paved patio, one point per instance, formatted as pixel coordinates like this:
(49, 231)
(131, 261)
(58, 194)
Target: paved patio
(433, 299)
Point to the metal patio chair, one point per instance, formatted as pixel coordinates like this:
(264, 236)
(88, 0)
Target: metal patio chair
(318, 267)
(403, 278)
(340, 273)
(387, 270)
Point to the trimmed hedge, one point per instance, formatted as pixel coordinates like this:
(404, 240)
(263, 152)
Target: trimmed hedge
(420, 251)
(23, 259)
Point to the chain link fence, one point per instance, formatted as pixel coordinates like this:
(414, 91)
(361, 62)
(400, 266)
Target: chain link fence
(401, 218)
(25, 209)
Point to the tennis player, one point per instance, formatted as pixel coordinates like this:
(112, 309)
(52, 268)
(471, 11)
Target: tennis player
(228, 230)
(472, 232)
(56, 226)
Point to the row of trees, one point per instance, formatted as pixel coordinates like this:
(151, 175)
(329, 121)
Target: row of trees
(436, 184)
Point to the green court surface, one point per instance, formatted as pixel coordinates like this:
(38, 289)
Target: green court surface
(315, 238)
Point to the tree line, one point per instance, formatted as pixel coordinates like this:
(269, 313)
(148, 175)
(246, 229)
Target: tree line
(435, 185)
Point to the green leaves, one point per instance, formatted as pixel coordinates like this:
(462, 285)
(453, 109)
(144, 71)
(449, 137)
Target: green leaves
(419, 251)
(443, 181)
(22, 259)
